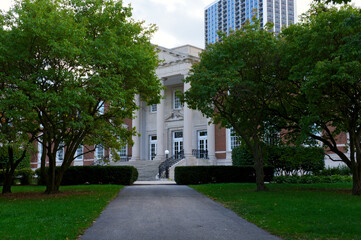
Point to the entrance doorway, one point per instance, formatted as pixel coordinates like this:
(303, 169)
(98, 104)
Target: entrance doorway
(152, 146)
(202, 145)
(178, 144)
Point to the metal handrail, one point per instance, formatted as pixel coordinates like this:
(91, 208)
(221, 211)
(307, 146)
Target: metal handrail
(163, 169)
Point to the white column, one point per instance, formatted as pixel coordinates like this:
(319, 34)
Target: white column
(187, 130)
(211, 138)
(160, 127)
(136, 139)
(228, 146)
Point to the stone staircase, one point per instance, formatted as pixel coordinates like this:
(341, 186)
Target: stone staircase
(147, 170)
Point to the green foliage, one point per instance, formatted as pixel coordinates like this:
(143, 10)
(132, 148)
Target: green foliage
(323, 91)
(25, 176)
(334, 1)
(64, 60)
(236, 81)
(287, 160)
(29, 214)
(218, 174)
(340, 170)
(309, 179)
(290, 160)
(4, 158)
(242, 156)
(121, 175)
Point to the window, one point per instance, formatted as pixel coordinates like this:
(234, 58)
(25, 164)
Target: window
(176, 101)
(101, 108)
(99, 152)
(153, 108)
(235, 140)
(123, 153)
(40, 151)
(310, 142)
(79, 153)
(60, 153)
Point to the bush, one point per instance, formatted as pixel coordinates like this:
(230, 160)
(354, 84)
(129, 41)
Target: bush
(218, 174)
(76, 175)
(340, 170)
(309, 179)
(287, 160)
(24, 175)
(242, 156)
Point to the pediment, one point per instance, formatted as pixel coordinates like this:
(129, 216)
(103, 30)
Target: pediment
(176, 115)
(167, 56)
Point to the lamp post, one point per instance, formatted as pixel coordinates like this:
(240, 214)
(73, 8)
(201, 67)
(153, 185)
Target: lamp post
(166, 152)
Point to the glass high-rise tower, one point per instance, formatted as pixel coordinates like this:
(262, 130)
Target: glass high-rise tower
(223, 15)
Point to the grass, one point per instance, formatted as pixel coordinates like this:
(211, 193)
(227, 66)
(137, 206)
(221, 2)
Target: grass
(294, 211)
(28, 214)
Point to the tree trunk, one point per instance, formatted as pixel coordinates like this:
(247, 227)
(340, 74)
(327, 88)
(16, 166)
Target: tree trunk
(52, 189)
(54, 186)
(51, 186)
(9, 173)
(8, 181)
(258, 156)
(356, 188)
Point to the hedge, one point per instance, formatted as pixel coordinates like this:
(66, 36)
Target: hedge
(287, 160)
(218, 174)
(340, 170)
(76, 175)
(309, 179)
(24, 175)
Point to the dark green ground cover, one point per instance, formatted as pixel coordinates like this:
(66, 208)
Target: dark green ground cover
(294, 211)
(29, 214)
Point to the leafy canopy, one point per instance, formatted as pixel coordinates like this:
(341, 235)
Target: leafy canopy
(67, 59)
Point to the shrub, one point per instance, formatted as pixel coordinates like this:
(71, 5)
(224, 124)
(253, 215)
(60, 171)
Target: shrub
(218, 174)
(309, 179)
(24, 175)
(340, 170)
(242, 156)
(76, 175)
(287, 160)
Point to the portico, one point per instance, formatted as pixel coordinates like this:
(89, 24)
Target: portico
(170, 125)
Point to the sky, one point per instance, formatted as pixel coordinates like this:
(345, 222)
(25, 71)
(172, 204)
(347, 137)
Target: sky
(179, 22)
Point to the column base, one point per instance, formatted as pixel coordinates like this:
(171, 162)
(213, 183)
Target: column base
(134, 159)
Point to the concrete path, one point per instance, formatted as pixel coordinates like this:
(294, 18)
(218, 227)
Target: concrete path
(162, 212)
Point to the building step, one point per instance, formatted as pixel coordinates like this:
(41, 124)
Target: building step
(147, 170)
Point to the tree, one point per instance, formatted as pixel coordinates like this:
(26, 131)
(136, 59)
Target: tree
(69, 58)
(324, 90)
(235, 82)
(16, 131)
(334, 1)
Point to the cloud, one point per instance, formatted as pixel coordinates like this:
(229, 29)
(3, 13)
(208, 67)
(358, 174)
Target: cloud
(179, 21)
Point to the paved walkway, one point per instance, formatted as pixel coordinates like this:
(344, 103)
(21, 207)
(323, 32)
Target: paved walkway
(162, 212)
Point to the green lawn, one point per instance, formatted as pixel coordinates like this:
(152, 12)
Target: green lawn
(294, 211)
(64, 216)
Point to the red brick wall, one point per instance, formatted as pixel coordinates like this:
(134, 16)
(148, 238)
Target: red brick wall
(220, 140)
